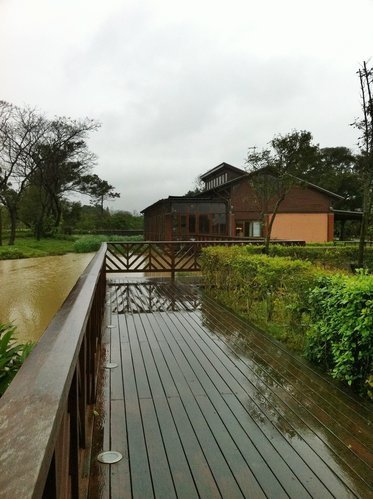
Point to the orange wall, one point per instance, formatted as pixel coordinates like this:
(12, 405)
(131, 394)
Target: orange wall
(309, 227)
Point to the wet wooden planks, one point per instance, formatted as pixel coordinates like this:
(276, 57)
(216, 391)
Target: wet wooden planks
(202, 405)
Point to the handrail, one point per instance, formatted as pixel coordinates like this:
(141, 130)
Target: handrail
(44, 413)
(164, 256)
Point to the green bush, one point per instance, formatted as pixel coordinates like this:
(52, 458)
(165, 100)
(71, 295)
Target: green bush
(340, 338)
(326, 255)
(341, 257)
(10, 253)
(271, 292)
(12, 355)
(88, 244)
(328, 316)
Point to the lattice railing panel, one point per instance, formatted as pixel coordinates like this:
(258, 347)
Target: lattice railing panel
(158, 256)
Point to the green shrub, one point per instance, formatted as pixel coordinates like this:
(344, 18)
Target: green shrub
(89, 244)
(328, 316)
(270, 292)
(329, 256)
(10, 253)
(12, 355)
(340, 338)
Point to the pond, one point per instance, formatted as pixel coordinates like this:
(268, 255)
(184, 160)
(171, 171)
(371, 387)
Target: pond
(33, 289)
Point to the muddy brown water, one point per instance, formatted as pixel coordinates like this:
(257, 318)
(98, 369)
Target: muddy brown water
(33, 289)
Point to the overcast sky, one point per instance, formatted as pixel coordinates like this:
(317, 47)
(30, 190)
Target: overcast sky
(180, 87)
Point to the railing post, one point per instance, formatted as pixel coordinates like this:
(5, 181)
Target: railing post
(173, 269)
(74, 437)
(50, 488)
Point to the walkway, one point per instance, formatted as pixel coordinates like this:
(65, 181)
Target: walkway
(202, 405)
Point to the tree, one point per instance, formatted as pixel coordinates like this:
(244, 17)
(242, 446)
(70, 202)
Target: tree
(334, 170)
(275, 170)
(64, 159)
(40, 161)
(365, 160)
(99, 190)
(198, 188)
(21, 130)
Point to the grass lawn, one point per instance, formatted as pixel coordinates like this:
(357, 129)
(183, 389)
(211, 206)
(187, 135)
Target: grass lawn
(28, 247)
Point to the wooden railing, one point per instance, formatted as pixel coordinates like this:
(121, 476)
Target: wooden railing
(164, 256)
(46, 413)
(159, 256)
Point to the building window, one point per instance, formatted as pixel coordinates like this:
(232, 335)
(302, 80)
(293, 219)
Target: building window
(183, 225)
(256, 229)
(248, 228)
(204, 224)
(192, 224)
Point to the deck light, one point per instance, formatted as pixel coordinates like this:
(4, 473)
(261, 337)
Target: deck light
(109, 457)
(110, 365)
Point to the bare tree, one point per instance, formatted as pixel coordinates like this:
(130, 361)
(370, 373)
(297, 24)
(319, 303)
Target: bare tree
(365, 162)
(21, 130)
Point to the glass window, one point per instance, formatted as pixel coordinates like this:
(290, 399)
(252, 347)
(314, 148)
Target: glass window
(256, 231)
(204, 224)
(183, 224)
(192, 224)
(248, 228)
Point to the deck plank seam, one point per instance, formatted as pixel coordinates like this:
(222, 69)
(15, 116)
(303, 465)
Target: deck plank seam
(309, 369)
(275, 408)
(206, 395)
(327, 428)
(173, 415)
(253, 443)
(182, 397)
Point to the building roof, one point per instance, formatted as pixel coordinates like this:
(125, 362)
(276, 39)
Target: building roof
(347, 214)
(245, 174)
(184, 199)
(203, 196)
(222, 166)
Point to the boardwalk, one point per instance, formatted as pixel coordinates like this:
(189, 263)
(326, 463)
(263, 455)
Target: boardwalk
(201, 405)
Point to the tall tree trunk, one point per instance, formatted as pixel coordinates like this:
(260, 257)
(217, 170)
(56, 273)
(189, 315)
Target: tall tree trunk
(39, 226)
(365, 76)
(13, 225)
(270, 224)
(365, 214)
(1, 226)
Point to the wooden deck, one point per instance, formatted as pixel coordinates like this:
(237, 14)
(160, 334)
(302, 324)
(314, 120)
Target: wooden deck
(202, 405)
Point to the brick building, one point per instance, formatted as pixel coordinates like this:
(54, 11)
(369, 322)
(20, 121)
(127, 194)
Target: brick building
(228, 206)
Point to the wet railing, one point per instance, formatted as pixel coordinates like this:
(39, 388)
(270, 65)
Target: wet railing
(46, 413)
(165, 256)
(159, 256)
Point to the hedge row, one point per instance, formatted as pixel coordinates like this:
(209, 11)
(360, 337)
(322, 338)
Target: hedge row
(340, 337)
(327, 255)
(88, 244)
(328, 317)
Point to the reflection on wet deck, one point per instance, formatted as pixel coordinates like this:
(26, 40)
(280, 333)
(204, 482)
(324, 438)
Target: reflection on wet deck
(203, 405)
